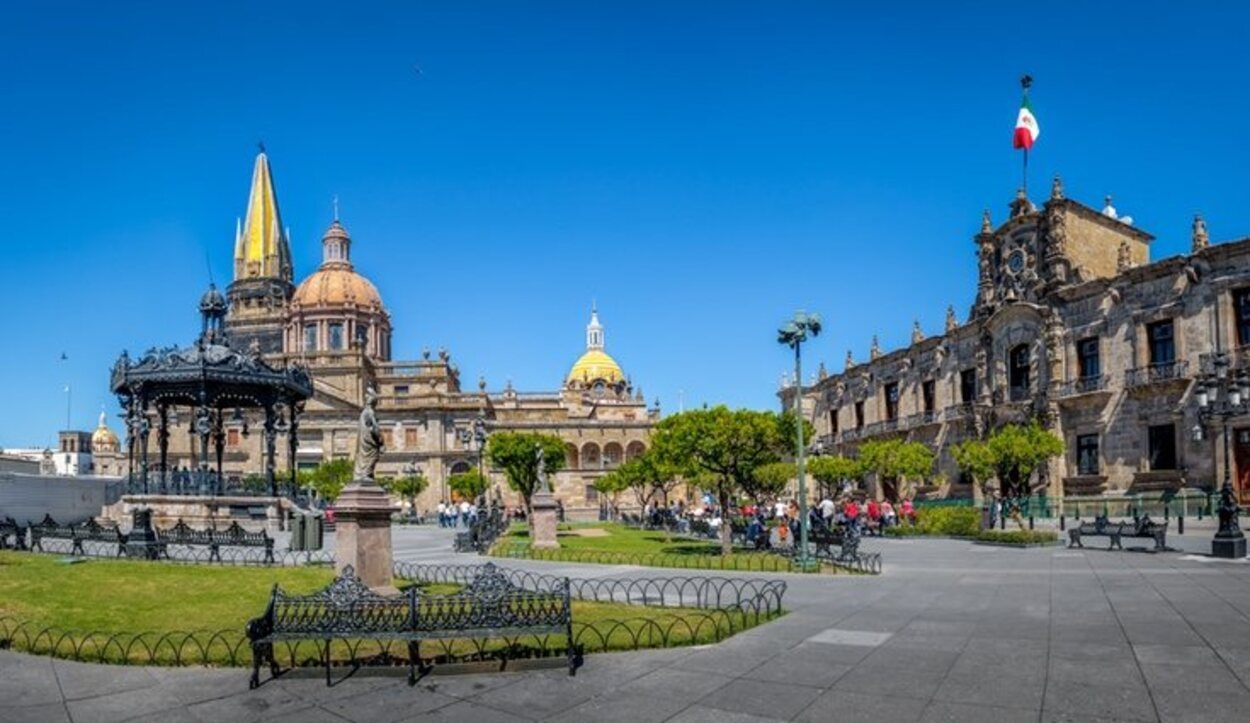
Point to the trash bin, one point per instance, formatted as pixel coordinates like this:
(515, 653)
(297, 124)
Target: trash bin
(299, 535)
(314, 532)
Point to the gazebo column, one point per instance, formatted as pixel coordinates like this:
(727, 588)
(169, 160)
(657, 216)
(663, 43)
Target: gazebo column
(292, 441)
(203, 428)
(144, 426)
(162, 441)
(271, 445)
(219, 441)
(128, 403)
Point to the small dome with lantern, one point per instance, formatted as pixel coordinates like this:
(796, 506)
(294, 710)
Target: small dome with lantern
(595, 368)
(103, 439)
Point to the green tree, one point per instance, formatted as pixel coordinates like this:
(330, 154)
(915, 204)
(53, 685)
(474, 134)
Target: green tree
(1018, 450)
(470, 485)
(407, 487)
(255, 482)
(895, 461)
(723, 448)
(516, 454)
(329, 478)
(974, 459)
(831, 472)
(768, 481)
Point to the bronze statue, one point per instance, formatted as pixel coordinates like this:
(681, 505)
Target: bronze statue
(1228, 512)
(369, 439)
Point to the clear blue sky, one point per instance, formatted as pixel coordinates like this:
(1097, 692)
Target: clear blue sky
(699, 169)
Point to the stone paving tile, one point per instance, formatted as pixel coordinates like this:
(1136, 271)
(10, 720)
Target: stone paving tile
(44, 713)
(1121, 702)
(1190, 707)
(623, 707)
(844, 706)
(1061, 717)
(122, 706)
(942, 712)
(687, 685)
(995, 688)
(825, 653)
(28, 681)
(388, 705)
(84, 680)
(912, 659)
(761, 698)
(787, 669)
(891, 682)
(1195, 679)
(725, 662)
(1176, 654)
(267, 701)
(1111, 671)
(701, 714)
(540, 696)
(466, 711)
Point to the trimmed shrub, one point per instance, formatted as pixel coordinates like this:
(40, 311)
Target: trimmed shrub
(951, 521)
(1018, 537)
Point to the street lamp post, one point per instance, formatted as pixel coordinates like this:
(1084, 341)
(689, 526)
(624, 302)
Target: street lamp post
(1221, 397)
(793, 333)
(475, 439)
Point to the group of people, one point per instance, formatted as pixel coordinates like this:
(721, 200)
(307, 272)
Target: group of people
(870, 517)
(451, 514)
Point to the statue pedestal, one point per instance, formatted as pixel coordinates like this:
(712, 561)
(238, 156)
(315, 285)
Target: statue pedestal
(362, 536)
(1233, 548)
(141, 542)
(543, 521)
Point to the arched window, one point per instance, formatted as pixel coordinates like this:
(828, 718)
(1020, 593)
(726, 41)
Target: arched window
(571, 457)
(612, 454)
(590, 456)
(461, 467)
(1018, 371)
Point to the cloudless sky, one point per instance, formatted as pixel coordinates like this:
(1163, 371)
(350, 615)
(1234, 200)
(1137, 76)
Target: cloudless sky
(700, 169)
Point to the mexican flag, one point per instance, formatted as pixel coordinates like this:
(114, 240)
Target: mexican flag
(1027, 129)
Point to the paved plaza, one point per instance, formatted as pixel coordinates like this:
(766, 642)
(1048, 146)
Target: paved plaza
(950, 632)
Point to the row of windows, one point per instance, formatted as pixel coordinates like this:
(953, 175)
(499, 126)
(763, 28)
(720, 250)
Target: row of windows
(335, 338)
(1160, 445)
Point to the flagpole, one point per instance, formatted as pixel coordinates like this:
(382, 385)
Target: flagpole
(1024, 181)
(1025, 81)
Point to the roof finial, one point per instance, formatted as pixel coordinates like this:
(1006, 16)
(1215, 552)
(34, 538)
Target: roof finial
(261, 146)
(1056, 188)
(951, 322)
(336, 207)
(987, 226)
(917, 334)
(1200, 238)
(850, 359)
(875, 350)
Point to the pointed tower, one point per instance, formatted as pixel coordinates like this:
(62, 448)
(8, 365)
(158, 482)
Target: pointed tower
(263, 274)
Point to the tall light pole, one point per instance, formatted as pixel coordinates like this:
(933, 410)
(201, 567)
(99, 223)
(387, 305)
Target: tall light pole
(793, 333)
(1220, 397)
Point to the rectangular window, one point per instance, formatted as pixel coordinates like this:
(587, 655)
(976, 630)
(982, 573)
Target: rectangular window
(891, 400)
(232, 437)
(1241, 310)
(388, 438)
(592, 494)
(336, 337)
(968, 386)
(859, 415)
(1162, 343)
(410, 437)
(401, 390)
(310, 337)
(833, 421)
(1087, 454)
(927, 390)
(1088, 359)
(1162, 446)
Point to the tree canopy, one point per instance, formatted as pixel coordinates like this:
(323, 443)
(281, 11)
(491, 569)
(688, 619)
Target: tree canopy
(721, 447)
(470, 485)
(894, 461)
(646, 475)
(1018, 450)
(769, 481)
(407, 487)
(516, 454)
(329, 478)
(831, 472)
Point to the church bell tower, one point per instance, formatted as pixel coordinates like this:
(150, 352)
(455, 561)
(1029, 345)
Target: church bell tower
(263, 276)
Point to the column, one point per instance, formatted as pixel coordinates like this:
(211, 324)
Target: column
(162, 441)
(271, 435)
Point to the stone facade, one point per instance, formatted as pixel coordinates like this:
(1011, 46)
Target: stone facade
(335, 324)
(1074, 326)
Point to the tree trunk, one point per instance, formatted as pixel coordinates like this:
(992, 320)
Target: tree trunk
(726, 533)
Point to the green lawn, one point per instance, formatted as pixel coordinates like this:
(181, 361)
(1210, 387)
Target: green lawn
(140, 612)
(611, 543)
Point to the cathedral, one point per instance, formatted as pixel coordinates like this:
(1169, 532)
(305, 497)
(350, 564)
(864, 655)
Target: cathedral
(336, 325)
(1073, 325)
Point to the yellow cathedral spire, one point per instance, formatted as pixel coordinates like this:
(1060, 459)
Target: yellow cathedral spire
(262, 248)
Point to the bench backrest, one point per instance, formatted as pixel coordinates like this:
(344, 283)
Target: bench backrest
(490, 601)
(347, 606)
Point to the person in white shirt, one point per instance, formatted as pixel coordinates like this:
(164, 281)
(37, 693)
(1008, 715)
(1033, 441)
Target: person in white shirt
(826, 509)
(779, 509)
(464, 512)
(442, 513)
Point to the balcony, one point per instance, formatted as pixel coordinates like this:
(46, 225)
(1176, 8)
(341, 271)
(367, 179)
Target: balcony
(1019, 394)
(1082, 386)
(1157, 374)
(920, 419)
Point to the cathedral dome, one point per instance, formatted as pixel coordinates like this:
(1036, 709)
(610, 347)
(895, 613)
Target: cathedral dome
(103, 439)
(596, 365)
(336, 283)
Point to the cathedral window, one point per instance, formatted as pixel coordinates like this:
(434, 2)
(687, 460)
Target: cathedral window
(1162, 342)
(1162, 439)
(968, 386)
(310, 337)
(1088, 359)
(1018, 371)
(891, 401)
(336, 337)
(1087, 454)
(927, 393)
(1241, 309)
(232, 437)
(833, 421)
(859, 415)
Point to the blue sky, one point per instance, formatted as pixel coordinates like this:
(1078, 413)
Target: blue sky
(699, 169)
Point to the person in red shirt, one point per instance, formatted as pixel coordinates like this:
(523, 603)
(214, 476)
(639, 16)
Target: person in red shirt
(874, 517)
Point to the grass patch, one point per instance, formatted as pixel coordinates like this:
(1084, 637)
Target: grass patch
(1017, 537)
(121, 611)
(623, 545)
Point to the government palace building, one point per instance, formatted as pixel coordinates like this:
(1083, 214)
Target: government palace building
(335, 324)
(1074, 325)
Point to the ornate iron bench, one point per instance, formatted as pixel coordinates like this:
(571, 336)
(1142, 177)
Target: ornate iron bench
(214, 539)
(1142, 527)
(89, 531)
(10, 528)
(488, 607)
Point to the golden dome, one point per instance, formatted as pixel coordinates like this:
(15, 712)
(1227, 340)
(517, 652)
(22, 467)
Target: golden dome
(337, 285)
(596, 365)
(103, 439)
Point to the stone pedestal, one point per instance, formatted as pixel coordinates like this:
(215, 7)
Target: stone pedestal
(362, 536)
(1229, 547)
(543, 510)
(141, 542)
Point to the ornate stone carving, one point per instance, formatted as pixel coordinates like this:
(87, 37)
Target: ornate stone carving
(1124, 259)
(1200, 238)
(850, 360)
(951, 321)
(917, 335)
(875, 350)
